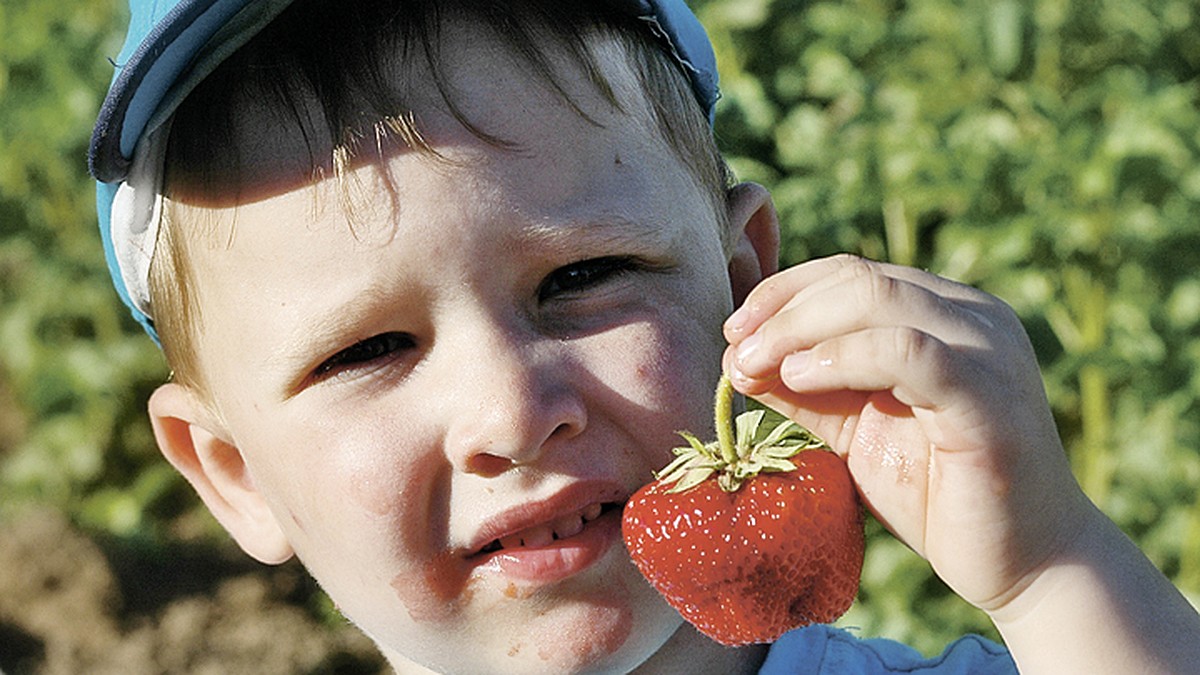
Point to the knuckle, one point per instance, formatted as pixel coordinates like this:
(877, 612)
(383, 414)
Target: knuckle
(848, 260)
(867, 279)
(913, 345)
(851, 266)
(1007, 318)
(877, 289)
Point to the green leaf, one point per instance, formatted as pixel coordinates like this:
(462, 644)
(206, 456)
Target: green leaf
(746, 426)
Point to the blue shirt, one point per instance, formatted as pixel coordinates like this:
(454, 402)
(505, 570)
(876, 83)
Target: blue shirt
(823, 650)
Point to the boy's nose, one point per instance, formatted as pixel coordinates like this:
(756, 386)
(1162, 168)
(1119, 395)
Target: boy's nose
(510, 402)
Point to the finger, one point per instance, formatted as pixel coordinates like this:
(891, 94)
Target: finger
(796, 284)
(858, 303)
(750, 386)
(938, 382)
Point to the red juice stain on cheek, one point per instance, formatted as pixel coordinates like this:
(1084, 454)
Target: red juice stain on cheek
(435, 590)
(514, 592)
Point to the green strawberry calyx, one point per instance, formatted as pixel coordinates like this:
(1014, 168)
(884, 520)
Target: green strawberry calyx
(744, 448)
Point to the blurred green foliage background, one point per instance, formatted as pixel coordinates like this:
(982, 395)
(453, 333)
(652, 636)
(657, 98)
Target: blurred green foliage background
(1044, 150)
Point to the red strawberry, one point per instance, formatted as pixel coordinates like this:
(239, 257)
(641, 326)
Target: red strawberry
(742, 556)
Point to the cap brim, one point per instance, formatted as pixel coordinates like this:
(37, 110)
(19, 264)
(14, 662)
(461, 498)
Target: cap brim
(179, 50)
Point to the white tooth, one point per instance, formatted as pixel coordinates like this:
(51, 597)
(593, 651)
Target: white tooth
(568, 526)
(538, 535)
(561, 528)
(591, 512)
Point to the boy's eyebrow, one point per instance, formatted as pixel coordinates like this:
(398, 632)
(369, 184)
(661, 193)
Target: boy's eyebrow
(584, 232)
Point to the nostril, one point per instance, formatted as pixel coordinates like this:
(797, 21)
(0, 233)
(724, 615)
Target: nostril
(563, 430)
(488, 465)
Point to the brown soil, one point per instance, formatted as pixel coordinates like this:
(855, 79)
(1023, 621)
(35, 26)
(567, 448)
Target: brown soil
(70, 604)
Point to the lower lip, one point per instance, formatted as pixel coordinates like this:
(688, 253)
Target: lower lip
(561, 559)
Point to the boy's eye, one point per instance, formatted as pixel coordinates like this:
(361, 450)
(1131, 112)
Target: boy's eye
(365, 353)
(584, 274)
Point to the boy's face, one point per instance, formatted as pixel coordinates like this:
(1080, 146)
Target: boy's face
(444, 398)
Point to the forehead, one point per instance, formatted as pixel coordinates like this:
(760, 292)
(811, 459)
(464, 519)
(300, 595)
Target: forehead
(272, 135)
(512, 140)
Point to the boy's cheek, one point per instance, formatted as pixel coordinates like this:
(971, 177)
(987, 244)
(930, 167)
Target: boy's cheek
(665, 369)
(349, 483)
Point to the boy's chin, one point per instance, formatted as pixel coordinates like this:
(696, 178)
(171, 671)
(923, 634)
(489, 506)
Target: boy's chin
(613, 633)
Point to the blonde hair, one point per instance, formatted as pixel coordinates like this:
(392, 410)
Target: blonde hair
(308, 54)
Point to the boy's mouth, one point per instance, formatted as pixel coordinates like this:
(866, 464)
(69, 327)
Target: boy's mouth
(544, 541)
(545, 534)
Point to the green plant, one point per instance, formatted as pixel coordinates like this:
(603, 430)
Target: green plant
(75, 368)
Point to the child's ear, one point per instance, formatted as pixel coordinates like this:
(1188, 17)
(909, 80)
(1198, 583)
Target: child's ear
(753, 237)
(193, 442)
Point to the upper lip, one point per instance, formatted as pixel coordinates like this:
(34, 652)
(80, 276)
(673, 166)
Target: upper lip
(575, 497)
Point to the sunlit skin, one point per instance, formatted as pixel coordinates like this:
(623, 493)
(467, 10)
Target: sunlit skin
(501, 344)
(436, 380)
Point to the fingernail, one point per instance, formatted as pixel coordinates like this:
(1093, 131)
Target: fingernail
(747, 348)
(748, 385)
(738, 378)
(794, 366)
(736, 323)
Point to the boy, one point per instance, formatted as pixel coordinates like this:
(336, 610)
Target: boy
(439, 280)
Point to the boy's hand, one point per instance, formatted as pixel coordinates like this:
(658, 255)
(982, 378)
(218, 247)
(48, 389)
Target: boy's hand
(931, 390)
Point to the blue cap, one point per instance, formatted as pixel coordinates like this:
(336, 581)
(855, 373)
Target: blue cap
(172, 45)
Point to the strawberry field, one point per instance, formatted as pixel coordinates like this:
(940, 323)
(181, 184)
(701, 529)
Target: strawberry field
(1047, 151)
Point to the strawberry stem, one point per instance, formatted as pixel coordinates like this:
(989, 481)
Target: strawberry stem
(723, 420)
